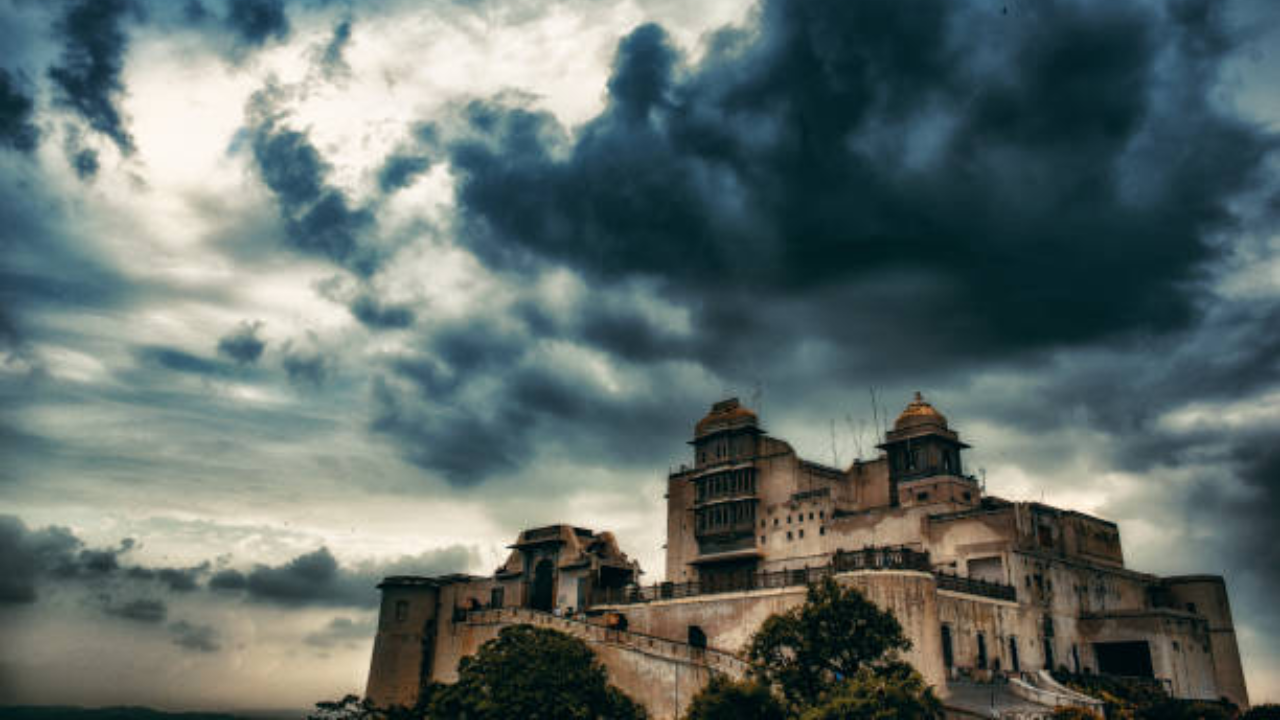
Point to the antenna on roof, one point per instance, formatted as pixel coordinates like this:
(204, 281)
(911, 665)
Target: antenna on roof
(875, 412)
(835, 455)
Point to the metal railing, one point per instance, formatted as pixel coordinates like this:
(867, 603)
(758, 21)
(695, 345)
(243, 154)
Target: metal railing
(872, 558)
(974, 586)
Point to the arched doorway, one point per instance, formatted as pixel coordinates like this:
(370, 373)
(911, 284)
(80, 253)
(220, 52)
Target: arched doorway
(543, 586)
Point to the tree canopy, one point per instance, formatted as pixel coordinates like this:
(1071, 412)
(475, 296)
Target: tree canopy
(535, 673)
(832, 658)
(835, 633)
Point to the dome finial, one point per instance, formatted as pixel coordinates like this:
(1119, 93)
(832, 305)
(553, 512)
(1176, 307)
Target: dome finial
(919, 412)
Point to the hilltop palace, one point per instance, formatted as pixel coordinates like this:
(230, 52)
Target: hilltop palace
(986, 589)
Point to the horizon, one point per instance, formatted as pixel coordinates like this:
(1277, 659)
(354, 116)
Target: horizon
(298, 294)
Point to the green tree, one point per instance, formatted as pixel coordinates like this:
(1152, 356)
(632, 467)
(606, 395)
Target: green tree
(726, 699)
(535, 673)
(1262, 712)
(887, 691)
(834, 634)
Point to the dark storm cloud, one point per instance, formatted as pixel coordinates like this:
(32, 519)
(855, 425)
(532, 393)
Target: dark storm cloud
(375, 313)
(410, 160)
(319, 219)
(316, 578)
(194, 636)
(144, 611)
(87, 78)
(16, 129)
(341, 631)
(254, 22)
(29, 558)
(306, 368)
(27, 555)
(477, 401)
(1013, 172)
(182, 361)
(243, 344)
(180, 580)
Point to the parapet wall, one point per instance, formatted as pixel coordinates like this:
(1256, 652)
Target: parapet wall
(728, 620)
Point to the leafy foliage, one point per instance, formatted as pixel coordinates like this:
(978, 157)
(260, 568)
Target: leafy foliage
(1269, 711)
(833, 635)
(726, 699)
(535, 673)
(890, 691)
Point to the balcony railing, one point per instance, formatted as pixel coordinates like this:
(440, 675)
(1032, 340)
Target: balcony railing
(888, 558)
(974, 586)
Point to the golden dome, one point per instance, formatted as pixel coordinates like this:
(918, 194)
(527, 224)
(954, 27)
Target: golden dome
(918, 412)
(725, 414)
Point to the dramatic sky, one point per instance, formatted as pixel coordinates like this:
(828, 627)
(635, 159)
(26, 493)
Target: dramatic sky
(297, 294)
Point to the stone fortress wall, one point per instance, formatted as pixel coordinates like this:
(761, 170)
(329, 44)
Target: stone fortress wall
(984, 588)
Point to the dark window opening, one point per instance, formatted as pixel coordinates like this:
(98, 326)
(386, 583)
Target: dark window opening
(1124, 658)
(495, 597)
(947, 658)
(922, 496)
(1048, 653)
(801, 532)
(1013, 654)
(1075, 657)
(1191, 607)
(822, 530)
(982, 651)
(402, 610)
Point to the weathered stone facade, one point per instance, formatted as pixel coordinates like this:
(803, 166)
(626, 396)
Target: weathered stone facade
(984, 587)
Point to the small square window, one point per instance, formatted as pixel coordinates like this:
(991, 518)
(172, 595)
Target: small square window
(775, 522)
(822, 530)
(801, 532)
(811, 516)
(789, 535)
(821, 514)
(762, 540)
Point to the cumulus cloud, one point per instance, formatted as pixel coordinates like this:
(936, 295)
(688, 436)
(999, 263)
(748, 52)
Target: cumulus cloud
(316, 578)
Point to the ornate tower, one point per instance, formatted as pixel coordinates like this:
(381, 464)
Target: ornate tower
(924, 459)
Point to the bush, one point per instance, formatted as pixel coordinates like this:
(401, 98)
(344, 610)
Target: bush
(725, 699)
(890, 692)
(1262, 712)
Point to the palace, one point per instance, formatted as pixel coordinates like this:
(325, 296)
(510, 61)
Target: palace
(985, 588)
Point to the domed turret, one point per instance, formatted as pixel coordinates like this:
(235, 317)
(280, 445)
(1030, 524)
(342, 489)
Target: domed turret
(728, 433)
(924, 458)
(919, 413)
(725, 415)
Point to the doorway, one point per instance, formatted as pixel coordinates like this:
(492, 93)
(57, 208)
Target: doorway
(543, 586)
